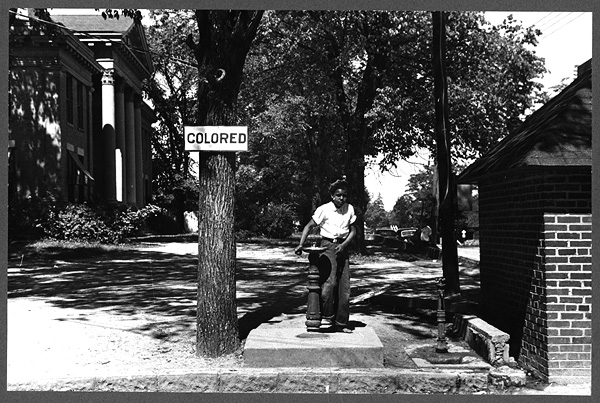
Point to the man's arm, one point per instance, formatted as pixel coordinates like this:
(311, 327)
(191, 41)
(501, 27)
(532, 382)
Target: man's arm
(310, 225)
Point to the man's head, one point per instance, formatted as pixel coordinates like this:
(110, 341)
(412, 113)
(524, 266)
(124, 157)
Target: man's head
(339, 192)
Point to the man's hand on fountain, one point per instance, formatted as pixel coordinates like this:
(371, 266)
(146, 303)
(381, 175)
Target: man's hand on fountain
(339, 248)
(298, 250)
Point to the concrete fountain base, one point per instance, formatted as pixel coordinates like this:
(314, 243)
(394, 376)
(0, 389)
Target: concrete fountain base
(271, 345)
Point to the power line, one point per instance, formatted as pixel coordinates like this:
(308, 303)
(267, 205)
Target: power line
(556, 17)
(562, 18)
(564, 25)
(543, 18)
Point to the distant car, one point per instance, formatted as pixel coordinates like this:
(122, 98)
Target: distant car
(391, 237)
(373, 239)
(386, 232)
(407, 233)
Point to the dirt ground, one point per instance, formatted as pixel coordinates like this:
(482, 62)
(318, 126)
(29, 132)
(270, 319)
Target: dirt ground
(77, 312)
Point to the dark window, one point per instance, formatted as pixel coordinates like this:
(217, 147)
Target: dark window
(73, 178)
(80, 181)
(69, 95)
(80, 105)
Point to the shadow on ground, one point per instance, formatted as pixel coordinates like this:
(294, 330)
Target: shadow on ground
(129, 281)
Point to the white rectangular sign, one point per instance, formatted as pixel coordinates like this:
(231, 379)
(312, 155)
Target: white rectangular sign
(216, 138)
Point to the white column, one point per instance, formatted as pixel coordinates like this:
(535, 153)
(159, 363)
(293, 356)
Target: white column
(118, 177)
(108, 134)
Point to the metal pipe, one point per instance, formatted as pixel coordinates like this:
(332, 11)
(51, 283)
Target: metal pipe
(442, 345)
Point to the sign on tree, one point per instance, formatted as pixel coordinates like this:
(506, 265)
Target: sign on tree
(216, 138)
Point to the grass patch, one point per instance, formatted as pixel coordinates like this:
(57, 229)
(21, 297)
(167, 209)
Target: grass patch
(63, 249)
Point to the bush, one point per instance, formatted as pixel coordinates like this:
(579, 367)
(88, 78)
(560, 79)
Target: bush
(83, 223)
(27, 218)
(78, 222)
(162, 223)
(128, 221)
(277, 221)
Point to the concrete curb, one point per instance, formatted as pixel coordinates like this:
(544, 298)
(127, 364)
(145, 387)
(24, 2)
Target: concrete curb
(488, 341)
(281, 380)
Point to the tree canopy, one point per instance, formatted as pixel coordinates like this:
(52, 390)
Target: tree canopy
(336, 86)
(172, 91)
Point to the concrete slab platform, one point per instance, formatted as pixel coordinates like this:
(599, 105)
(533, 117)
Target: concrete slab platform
(458, 356)
(272, 346)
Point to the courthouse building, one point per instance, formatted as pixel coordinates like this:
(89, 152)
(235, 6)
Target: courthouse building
(79, 129)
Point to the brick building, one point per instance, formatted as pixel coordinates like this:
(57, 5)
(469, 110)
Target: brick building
(535, 235)
(79, 129)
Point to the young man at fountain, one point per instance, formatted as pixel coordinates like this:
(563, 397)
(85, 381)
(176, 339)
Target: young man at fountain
(335, 221)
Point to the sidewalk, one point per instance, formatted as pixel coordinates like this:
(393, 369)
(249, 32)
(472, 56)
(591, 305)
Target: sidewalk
(125, 321)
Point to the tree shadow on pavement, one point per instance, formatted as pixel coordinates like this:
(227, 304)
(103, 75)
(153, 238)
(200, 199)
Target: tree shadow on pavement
(127, 282)
(132, 281)
(266, 289)
(120, 281)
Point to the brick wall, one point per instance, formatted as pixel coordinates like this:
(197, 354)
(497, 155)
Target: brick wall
(557, 336)
(509, 224)
(514, 254)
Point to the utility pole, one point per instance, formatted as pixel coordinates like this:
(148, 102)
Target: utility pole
(446, 190)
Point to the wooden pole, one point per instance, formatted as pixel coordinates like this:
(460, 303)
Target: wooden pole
(447, 193)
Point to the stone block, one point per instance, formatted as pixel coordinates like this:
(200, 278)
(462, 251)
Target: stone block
(272, 346)
(488, 341)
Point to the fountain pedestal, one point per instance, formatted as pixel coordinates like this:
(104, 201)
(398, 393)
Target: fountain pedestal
(313, 310)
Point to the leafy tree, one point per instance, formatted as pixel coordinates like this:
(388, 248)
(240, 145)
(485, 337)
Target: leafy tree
(376, 216)
(374, 68)
(332, 59)
(407, 212)
(296, 143)
(490, 78)
(280, 162)
(172, 91)
(401, 214)
(420, 189)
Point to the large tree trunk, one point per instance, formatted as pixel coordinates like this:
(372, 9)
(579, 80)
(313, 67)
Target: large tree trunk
(447, 193)
(355, 172)
(223, 43)
(217, 325)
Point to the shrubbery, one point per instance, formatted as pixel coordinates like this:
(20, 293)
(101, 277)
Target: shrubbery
(35, 220)
(26, 218)
(277, 221)
(78, 222)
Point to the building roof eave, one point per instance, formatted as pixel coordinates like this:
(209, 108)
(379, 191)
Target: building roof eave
(559, 133)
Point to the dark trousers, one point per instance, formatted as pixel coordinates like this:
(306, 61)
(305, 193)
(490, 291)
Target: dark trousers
(334, 280)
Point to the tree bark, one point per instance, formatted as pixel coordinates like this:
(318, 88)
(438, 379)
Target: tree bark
(223, 44)
(355, 169)
(447, 193)
(217, 325)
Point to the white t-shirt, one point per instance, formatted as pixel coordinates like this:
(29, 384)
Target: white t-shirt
(334, 223)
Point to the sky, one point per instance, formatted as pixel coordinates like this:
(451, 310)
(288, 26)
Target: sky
(566, 42)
